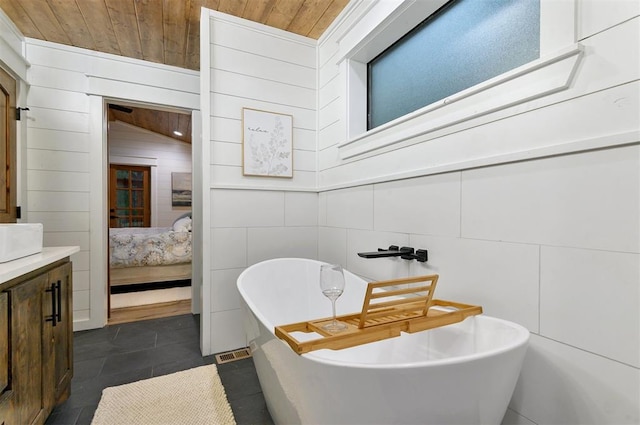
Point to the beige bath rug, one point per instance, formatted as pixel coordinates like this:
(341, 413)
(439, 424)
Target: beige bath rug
(194, 396)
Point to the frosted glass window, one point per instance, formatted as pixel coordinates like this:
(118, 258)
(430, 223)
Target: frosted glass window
(465, 43)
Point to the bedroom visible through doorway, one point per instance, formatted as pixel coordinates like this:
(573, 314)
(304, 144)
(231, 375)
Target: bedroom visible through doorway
(150, 238)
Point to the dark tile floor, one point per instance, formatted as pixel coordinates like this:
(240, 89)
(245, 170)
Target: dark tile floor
(120, 354)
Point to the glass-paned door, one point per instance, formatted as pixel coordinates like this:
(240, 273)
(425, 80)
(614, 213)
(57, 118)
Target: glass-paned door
(129, 196)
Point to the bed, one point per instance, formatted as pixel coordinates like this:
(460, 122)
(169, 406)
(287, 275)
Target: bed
(150, 254)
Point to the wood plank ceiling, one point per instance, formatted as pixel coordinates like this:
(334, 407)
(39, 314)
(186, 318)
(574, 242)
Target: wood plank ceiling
(161, 31)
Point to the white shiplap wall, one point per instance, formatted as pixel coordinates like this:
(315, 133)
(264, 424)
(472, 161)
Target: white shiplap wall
(254, 218)
(132, 145)
(66, 157)
(532, 212)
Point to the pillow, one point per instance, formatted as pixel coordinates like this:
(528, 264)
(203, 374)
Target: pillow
(182, 225)
(187, 214)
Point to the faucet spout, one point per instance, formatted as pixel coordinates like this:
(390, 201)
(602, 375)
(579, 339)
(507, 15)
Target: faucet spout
(405, 252)
(393, 251)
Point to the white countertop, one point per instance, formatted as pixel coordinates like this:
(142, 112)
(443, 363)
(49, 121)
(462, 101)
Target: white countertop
(24, 265)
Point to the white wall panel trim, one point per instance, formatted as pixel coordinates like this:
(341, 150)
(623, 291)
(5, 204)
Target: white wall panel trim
(264, 188)
(12, 57)
(101, 86)
(110, 57)
(260, 28)
(570, 147)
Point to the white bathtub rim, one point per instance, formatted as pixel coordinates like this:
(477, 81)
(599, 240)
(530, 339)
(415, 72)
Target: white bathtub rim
(522, 340)
(523, 335)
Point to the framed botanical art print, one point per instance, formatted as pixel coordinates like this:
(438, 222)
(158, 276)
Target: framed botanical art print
(267, 145)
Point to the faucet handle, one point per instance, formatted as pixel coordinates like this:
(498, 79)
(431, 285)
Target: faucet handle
(391, 248)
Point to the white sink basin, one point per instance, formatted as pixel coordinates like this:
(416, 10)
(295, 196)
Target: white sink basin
(19, 240)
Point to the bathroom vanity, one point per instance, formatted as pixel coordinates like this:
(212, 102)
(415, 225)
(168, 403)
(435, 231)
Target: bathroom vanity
(36, 335)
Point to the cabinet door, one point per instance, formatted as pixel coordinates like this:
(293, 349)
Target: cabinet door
(27, 302)
(62, 333)
(4, 342)
(6, 395)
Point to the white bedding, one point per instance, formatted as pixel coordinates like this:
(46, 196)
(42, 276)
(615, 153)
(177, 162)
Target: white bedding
(148, 246)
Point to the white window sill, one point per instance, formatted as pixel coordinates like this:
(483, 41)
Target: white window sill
(536, 79)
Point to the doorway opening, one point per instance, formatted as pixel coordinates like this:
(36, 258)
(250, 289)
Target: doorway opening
(149, 156)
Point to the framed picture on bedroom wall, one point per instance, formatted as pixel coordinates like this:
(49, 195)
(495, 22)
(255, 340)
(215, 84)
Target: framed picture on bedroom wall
(267, 144)
(181, 189)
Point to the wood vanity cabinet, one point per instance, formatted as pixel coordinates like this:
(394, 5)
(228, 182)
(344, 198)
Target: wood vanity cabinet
(37, 356)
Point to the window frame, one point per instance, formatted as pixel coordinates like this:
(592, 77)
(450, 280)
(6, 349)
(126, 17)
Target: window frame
(386, 22)
(145, 190)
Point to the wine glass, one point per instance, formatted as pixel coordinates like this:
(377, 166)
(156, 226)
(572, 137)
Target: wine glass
(332, 285)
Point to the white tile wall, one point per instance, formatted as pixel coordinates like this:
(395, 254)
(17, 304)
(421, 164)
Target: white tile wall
(224, 293)
(551, 244)
(589, 299)
(332, 245)
(427, 205)
(228, 248)
(501, 277)
(265, 243)
(563, 385)
(351, 208)
(260, 225)
(227, 330)
(375, 268)
(236, 208)
(564, 201)
(322, 209)
(300, 208)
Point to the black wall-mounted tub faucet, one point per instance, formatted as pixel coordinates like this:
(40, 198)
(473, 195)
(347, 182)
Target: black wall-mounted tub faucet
(405, 252)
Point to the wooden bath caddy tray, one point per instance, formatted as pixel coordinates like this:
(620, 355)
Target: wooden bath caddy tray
(387, 310)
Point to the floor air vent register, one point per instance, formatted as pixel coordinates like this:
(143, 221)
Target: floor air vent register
(231, 356)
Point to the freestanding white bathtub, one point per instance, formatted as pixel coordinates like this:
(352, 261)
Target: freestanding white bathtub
(463, 373)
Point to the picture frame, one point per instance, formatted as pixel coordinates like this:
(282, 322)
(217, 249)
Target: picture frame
(267, 144)
(181, 189)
